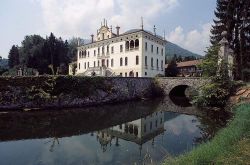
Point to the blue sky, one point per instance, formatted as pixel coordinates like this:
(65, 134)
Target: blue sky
(186, 22)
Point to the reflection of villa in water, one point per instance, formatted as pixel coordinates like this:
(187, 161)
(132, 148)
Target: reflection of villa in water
(138, 131)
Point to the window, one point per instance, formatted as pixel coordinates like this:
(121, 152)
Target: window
(146, 46)
(107, 49)
(112, 62)
(121, 74)
(137, 75)
(94, 63)
(146, 73)
(152, 62)
(103, 49)
(88, 64)
(121, 48)
(132, 45)
(112, 49)
(79, 66)
(85, 67)
(162, 51)
(157, 64)
(126, 74)
(127, 46)
(98, 51)
(126, 61)
(107, 63)
(161, 64)
(157, 50)
(156, 123)
(152, 48)
(94, 52)
(88, 53)
(136, 44)
(146, 61)
(121, 62)
(98, 63)
(137, 60)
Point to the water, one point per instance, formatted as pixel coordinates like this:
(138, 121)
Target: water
(130, 133)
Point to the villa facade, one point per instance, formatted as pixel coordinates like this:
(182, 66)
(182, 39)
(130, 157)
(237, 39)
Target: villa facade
(135, 53)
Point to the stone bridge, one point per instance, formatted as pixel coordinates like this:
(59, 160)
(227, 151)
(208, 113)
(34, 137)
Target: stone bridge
(174, 83)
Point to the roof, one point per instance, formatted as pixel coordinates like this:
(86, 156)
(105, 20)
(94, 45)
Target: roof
(187, 63)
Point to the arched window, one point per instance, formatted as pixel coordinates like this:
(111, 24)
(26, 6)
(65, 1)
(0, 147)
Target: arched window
(126, 61)
(136, 44)
(137, 60)
(121, 62)
(127, 45)
(112, 62)
(132, 45)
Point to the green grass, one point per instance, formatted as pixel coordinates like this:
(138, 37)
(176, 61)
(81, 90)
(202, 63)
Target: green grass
(232, 141)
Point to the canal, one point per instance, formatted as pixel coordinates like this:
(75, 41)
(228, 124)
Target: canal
(138, 132)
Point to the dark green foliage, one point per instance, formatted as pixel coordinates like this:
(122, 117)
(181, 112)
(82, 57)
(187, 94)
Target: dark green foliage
(172, 70)
(216, 93)
(13, 57)
(233, 16)
(78, 86)
(49, 56)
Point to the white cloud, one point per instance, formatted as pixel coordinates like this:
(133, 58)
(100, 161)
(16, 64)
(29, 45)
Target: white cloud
(195, 40)
(82, 17)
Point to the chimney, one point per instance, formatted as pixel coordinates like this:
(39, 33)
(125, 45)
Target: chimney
(117, 30)
(92, 38)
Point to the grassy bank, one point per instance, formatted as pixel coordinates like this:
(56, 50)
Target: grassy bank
(230, 146)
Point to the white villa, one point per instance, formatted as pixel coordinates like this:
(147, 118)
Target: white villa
(135, 53)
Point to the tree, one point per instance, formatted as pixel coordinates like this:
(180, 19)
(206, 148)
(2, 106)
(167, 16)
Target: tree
(13, 57)
(233, 16)
(172, 70)
(179, 59)
(210, 62)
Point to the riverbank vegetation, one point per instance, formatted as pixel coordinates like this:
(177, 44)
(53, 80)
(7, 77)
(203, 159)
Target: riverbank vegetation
(229, 146)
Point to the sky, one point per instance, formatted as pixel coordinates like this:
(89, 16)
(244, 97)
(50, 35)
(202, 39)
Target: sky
(186, 22)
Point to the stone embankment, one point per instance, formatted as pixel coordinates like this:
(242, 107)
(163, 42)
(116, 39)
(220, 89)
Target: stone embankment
(242, 95)
(69, 91)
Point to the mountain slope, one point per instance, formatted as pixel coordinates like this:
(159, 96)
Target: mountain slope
(4, 63)
(172, 49)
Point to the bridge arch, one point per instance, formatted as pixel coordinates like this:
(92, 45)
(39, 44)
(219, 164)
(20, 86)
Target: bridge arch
(175, 83)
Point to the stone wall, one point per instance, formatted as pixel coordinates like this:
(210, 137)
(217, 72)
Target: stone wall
(70, 91)
(168, 83)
